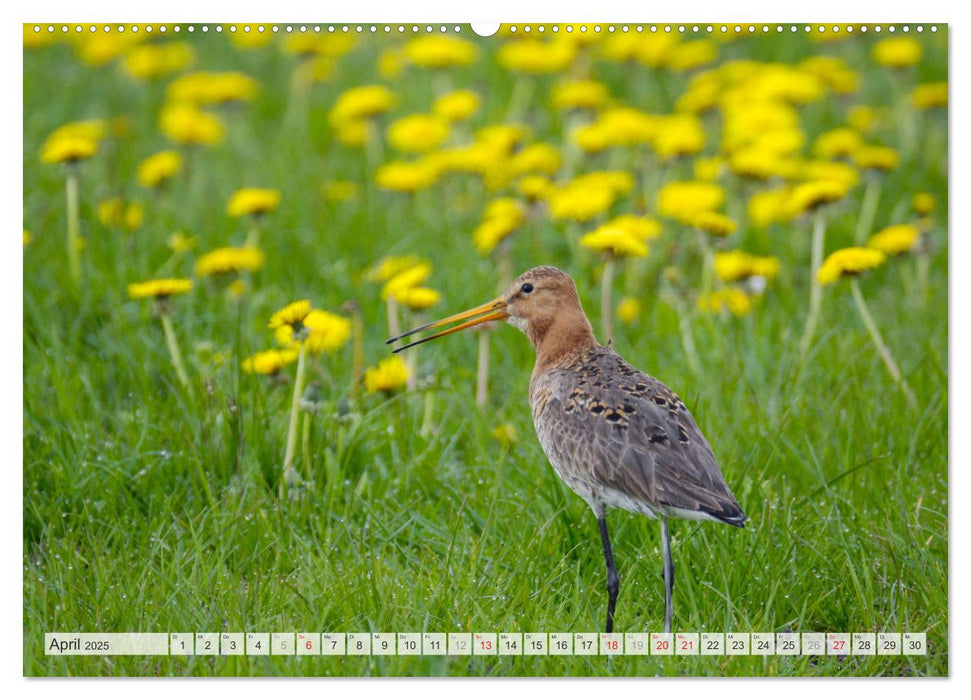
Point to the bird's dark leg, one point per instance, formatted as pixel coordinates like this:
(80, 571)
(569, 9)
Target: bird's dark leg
(668, 575)
(613, 581)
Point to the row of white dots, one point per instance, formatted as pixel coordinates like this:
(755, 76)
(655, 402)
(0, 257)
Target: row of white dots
(667, 28)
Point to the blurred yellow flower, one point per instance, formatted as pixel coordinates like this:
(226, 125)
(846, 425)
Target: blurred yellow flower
(361, 102)
(924, 203)
(807, 196)
(114, 212)
(536, 56)
(501, 217)
(457, 106)
(688, 55)
(581, 199)
(209, 88)
(837, 143)
(712, 223)
(228, 260)
(894, 240)
(440, 52)
(678, 135)
(534, 187)
(618, 126)
(93, 129)
(406, 279)
(341, 190)
(270, 361)
(150, 61)
(159, 168)
(417, 298)
(186, 124)
(628, 310)
(354, 132)
(683, 200)
(325, 332)
(579, 94)
(159, 288)
(252, 200)
(930, 95)
(417, 133)
(731, 299)
(389, 375)
(708, 169)
(401, 176)
(505, 433)
(863, 118)
(641, 227)
(615, 241)
(180, 243)
(734, 265)
(27, 238)
(648, 49)
(390, 266)
(100, 48)
(248, 40)
(876, 157)
(540, 158)
(844, 174)
(769, 207)
(897, 52)
(292, 315)
(849, 261)
(760, 163)
(68, 149)
(833, 71)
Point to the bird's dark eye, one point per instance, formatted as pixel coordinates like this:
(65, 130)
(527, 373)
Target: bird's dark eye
(527, 288)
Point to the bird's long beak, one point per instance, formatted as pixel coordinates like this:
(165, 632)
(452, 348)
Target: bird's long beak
(494, 310)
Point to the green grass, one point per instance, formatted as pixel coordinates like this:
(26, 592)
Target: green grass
(845, 486)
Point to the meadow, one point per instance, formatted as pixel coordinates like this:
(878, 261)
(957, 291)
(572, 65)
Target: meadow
(159, 493)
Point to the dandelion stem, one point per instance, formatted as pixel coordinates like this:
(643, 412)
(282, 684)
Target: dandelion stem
(877, 339)
(482, 370)
(815, 291)
(253, 237)
(73, 222)
(294, 412)
(357, 356)
(426, 419)
(174, 351)
(394, 329)
(308, 464)
(606, 300)
(688, 340)
(868, 210)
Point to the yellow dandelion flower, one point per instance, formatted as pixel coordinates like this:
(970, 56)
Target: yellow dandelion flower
(361, 102)
(894, 240)
(92, 129)
(252, 200)
(540, 158)
(678, 135)
(769, 207)
(833, 71)
(417, 133)
(579, 203)
(457, 106)
(628, 310)
(837, 143)
(27, 238)
(808, 196)
(223, 261)
(641, 227)
(708, 169)
(159, 288)
(401, 176)
(713, 223)
(579, 94)
(269, 361)
(863, 118)
(924, 203)
(897, 52)
(760, 163)
(389, 375)
(134, 216)
(418, 298)
(505, 434)
(615, 241)
(731, 299)
(186, 124)
(876, 157)
(236, 289)
(328, 332)
(159, 168)
(354, 132)
(734, 265)
(534, 187)
(440, 52)
(391, 62)
(390, 266)
(848, 262)
(341, 191)
(151, 61)
(683, 200)
(293, 315)
(689, 55)
(930, 95)
(491, 232)
(68, 149)
(208, 88)
(100, 48)
(413, 276)
(180, 243)
(249, 40)
(502, 137)
(535, 56)
(844, 174)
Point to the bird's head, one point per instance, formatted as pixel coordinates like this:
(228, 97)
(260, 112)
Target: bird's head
(538, 300)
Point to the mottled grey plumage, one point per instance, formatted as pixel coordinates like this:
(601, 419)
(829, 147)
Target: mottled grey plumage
(619, 437)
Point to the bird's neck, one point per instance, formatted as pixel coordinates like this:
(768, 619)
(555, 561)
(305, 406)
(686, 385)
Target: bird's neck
(560, 337)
